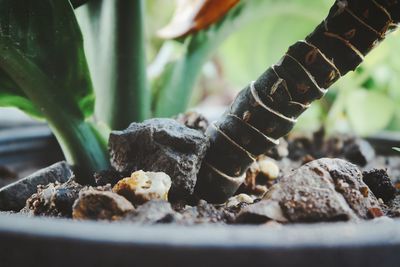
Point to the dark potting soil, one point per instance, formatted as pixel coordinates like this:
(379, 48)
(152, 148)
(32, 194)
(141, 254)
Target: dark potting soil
(304, 179)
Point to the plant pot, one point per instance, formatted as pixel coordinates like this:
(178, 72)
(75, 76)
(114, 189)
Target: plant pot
(25, 149)
(60, 242)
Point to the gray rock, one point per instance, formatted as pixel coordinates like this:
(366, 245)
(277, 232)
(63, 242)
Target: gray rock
(160, 145)
(322, 190)
(151, 212)
(204, 213)
(14, 196)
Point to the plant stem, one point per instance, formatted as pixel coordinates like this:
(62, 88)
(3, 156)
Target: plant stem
(115, 44)
(273, 102)
(82, 145)
(183, 76)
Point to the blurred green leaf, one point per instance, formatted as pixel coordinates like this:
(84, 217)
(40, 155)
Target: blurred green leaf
(115, 43)
(39, 31)
(310, 120)
(181, 76)
(368, 111)
(266, 38)
(42, 60)
(12, 96)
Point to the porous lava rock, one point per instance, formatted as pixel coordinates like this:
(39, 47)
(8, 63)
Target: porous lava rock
(161, 145)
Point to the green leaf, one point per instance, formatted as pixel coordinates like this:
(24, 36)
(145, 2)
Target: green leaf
(11, 96)
(368, 111)
(265, 39)
(181, 75)
(49, 37)
(115, 43)
(396, 149)
(42, 59)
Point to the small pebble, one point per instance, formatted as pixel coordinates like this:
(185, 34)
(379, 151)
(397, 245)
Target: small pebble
(144, 186)
(269, 168)
(239, 199)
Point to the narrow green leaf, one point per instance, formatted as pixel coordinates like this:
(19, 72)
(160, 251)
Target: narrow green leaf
(181, 75)
(115, 45)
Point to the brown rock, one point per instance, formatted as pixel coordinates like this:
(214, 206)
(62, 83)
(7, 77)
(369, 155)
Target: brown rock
(94, 204)
(322, 190)
(54, 199)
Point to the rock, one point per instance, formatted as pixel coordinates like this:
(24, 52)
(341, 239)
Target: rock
(161, 145)
(322, 190)
(349, 183)
(261, 212)
(299, 147)
(54, 199)
(380, 184)
(393, 205)
(107, 177)
(359, 152)
(14, 196)
(7, 176)
(280, 151)
(152, 212)
(259, 177)
(144, 186)
(250, 185)
(239, 200)
(94, 204)
(206, 213)
(193, 120)
(268, 168)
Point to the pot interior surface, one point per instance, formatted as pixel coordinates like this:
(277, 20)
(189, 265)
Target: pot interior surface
(72, 243)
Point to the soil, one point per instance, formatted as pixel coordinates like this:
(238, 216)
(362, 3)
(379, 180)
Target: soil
(362, 186)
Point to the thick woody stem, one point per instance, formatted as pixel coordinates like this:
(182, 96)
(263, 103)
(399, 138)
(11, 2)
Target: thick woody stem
(267, 109)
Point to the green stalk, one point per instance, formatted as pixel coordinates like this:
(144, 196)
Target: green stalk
(131, 99)
(115, 47)
(82, 145)
(181, 78)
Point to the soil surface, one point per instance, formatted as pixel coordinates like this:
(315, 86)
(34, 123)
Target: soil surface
(304, 179)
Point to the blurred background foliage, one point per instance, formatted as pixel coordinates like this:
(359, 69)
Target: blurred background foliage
(364, 102)
(236, 50)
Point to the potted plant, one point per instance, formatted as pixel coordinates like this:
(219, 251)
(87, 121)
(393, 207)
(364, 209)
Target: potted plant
(38, 78)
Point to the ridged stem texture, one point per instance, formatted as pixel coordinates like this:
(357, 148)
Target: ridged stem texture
(268, 108)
